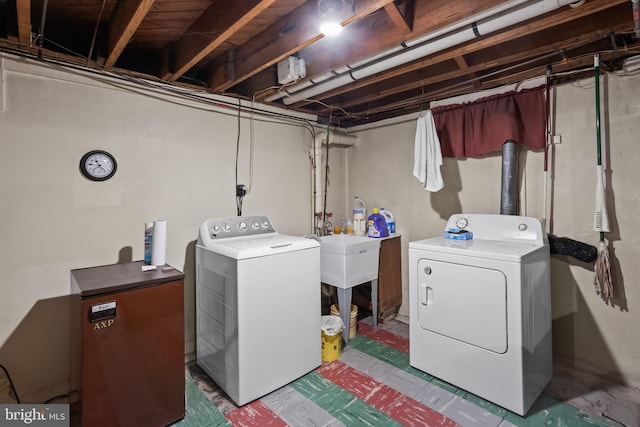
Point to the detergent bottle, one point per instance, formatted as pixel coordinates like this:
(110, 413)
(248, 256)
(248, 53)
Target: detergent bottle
(391, 223)
(359, 217)
(377, 225)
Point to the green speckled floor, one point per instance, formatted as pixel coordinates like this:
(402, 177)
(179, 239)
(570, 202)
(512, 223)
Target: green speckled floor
(318, 399)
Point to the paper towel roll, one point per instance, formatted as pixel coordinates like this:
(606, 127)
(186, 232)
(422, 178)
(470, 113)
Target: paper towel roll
(159, 243)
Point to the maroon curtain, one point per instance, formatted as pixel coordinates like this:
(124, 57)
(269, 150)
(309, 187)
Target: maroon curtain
(478, 128)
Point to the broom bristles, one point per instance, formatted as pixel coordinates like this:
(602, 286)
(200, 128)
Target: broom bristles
(602, 279)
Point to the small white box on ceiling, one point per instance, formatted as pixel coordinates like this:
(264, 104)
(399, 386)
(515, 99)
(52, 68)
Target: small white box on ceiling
(291, 69)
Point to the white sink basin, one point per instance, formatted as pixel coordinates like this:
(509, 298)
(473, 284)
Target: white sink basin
(347, 260)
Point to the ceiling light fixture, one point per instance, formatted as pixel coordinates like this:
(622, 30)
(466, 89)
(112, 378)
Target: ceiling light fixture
(330, 16)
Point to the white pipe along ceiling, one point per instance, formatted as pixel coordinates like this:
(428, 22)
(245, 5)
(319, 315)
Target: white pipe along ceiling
(502, 16)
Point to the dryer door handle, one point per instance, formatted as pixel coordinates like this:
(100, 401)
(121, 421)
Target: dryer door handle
(426, 294)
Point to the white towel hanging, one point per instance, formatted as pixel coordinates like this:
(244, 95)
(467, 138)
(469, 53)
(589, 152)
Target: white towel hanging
(427, 155)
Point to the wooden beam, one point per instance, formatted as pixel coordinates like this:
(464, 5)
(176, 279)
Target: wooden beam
(549, 21)
(77, 60)
(401, 13)
(418, 100)
(472, 71)
(287, 36)
(212, 29)
(23, 15)
(462, 64)
(123, 23)
(327, 55)
(17, 16)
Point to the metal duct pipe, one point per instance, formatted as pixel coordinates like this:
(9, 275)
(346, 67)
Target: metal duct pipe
(509, 194)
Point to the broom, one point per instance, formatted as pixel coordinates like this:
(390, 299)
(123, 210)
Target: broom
(602, 279)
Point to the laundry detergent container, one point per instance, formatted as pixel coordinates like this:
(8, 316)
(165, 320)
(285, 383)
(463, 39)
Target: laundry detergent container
(347, 261)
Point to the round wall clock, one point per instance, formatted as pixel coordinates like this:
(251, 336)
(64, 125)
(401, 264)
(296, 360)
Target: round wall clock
(98, 165)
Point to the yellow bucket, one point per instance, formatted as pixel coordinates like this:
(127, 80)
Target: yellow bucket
(353, 320)
(332, 327)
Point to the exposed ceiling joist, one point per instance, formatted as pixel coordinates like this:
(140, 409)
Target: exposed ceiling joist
(419, 101)
(465, 69)
(286, 37)
(382, 34)
(516, 32)
(510, 61)
(392, 57)
(23, 18)
(123, 23)
(211, 30)
(401, 15)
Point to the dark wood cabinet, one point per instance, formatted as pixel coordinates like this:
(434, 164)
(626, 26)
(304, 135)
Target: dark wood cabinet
(389, 282)
(127, 346)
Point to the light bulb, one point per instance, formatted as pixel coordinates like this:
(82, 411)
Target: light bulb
(330, 16)
(330, 28)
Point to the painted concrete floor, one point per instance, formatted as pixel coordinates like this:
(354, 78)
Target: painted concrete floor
(372, 384)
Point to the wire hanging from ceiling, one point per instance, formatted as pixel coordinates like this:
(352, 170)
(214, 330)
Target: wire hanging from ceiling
(95, 31)
(43, 20)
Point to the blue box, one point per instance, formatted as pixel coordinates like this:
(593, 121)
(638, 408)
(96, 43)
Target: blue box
(458, 234)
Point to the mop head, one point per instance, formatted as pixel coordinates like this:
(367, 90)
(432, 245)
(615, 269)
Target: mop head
(602, 280)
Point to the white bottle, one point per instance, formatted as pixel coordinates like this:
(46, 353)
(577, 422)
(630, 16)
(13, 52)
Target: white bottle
(391, 223)
(359, 217)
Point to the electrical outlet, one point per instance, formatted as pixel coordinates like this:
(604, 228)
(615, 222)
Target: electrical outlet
(557, 139)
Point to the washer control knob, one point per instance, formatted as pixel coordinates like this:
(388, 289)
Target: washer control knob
(242, 226)
(255, 225)
(522, 227)
(216, 229)
(226, 228)
(427, 270)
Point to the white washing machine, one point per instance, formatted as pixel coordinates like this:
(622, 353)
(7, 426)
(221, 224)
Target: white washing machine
(480, 309)
(257, 306)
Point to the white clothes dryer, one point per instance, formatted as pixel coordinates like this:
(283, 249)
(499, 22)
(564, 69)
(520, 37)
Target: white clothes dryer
(480, 309)
(257, 306)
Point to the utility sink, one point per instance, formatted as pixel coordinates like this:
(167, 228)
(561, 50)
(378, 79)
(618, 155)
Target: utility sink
(347, 260)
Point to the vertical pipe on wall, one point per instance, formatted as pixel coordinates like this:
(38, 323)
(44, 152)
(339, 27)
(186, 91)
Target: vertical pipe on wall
(324, 140)
(1, 86)
(43, 20)
(509, 193)
(635, 8)
(318, 159)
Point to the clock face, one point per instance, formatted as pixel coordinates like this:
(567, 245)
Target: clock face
(98, 165)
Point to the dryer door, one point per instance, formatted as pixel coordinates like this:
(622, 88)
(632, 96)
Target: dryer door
(463, 302)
